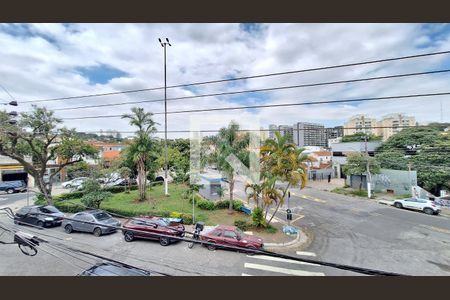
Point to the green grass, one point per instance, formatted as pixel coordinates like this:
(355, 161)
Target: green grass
(159, 204)
(350, 192)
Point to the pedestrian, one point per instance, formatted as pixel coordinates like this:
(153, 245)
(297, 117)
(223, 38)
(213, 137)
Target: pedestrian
(329, 178)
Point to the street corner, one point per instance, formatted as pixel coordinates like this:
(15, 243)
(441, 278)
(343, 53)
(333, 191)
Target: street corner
(301, 240)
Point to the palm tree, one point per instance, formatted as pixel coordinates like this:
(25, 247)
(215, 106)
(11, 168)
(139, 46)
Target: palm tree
(283, 161)
(142, 145)
(255, 192)
(230, 141)
(221, 192)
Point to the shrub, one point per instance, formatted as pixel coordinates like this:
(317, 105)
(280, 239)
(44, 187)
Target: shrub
(94, 199)
(187, 219)
(69, 207)
(69, 196)
(175, 214)
(258, 217)
(40, 200)
(206, 205)
(271, 229)
(224, 204)
(119, 189)
(242, 224)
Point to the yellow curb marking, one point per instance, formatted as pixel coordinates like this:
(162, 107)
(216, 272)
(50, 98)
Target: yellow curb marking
(310, 198)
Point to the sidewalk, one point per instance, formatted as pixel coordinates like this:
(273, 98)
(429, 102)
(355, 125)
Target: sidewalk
(324, 185)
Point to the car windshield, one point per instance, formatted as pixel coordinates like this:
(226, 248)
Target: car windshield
(163, 222)
(102, 216)
(49, 209)
(239, 232)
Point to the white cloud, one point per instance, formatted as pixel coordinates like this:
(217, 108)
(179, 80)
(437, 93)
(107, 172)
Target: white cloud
(44, 62)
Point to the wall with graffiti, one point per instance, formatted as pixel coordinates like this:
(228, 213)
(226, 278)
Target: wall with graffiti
(396, 181)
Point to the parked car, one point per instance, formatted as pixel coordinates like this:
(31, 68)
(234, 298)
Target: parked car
(39, 215)
(13, 186)
(112, 269)
(99, 217)
(154, 227)
(427, 206)
(74, 183)
(225, 235)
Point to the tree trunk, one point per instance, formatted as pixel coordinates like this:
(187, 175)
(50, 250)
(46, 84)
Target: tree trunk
(46, 192)
(279, 202)
(141, 175)
(230, 207)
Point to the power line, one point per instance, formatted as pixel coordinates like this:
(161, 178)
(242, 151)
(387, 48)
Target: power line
(243, 78)
(108, 132)
(275, 105)
(256, 90)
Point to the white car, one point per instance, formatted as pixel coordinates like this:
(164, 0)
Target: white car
(74, 183)
(425, 205)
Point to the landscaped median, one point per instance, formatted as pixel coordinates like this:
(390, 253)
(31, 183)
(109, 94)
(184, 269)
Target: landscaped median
(174, 205)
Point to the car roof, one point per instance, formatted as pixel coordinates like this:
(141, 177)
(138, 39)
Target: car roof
(227, 227)
(146, 218)
(109, 269)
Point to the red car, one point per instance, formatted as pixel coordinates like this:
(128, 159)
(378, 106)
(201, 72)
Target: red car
(230, 236)
(154, 227)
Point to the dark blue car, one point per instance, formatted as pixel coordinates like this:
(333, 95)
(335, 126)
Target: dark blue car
(11, 187)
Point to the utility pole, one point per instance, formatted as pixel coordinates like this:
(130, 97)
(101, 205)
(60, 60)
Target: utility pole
(368, 177)
(409, 177)
(166, 184)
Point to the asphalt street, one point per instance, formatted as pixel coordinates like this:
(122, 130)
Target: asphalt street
(363, 233)
(345, 230)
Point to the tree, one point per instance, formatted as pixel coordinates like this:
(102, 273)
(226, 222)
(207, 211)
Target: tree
(80, 169)
(125, 173)
(143, 145)
(357, 165)
(359, 136)
(283, 161)
(38, 136)
(424, 149)
(93, 194)
(221, 192)
(231, 141)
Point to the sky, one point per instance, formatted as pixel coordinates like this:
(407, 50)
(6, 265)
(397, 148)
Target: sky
(41, 61)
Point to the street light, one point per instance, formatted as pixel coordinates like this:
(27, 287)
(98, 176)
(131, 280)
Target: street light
(12, 103)
(166, 185)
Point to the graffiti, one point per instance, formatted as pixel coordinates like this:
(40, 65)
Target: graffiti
(383, 179)
(443, 202)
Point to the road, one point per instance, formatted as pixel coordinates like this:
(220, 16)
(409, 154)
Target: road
(17, 198)
(363, 233)
(346, 230)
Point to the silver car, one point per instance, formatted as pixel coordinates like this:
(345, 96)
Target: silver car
(99, 217)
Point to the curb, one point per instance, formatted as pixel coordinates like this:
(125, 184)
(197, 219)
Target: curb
(385, 202)
(294, 241)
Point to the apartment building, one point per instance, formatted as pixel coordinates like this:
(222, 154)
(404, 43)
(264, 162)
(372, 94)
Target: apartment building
(357, 123)
(393, 123)
(285, 130)
(309, 134)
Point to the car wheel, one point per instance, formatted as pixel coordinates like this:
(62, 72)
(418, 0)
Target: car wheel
(16, 222)
(398, 205)
(68, 228)
(97, 231)
(40, 224)
(164, 241)
(68, 186)
(211, 247)
(428, 211)
(251, 251)
(128, 236)
(10, 191)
